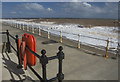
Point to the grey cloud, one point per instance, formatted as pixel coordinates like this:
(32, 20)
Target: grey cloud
(110, 10)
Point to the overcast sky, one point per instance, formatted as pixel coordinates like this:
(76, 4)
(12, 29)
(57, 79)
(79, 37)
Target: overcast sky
(60, 10)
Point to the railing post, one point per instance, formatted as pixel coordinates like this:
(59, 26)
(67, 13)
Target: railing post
(60, 55)
(44, 61)
(8, 42)
(107, 48)
(27, 27)
(39, 31)
(78, 40)
(14, 24)
(48, 34)
(23, 26)
(20, 25)
(61, 36)
(32, 29)
(17, 25)
(18, 54)
(117, 51)
(11, 24)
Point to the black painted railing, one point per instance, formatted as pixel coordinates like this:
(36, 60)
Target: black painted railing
(9, 45)
(43, 59)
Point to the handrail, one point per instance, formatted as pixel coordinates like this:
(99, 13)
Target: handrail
(52, 29)
(49, 58)
(75, 34)
(52, 79)
(12, 37)
(33, 52)
(3, 32)
(81, 35)
(53, 57)
(94, 38)
(9, 45)
(44, 60)
(35, 72)
(13, 47)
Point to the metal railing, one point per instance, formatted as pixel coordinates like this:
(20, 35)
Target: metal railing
(107, 41)
(43, 59)
(9, 45)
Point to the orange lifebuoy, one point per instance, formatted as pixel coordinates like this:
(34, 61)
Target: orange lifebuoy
(20, 52)
(30, 41)
(25, 62)
(24, 55)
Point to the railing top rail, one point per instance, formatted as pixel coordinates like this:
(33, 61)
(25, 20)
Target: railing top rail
(53, 57)
(3, 32)
(12, 36)
(13, 47)
(80, 35)
(35, 72)
(33, 52)
(49, 58)
(113, 42)
(94, 38)
(84, 36)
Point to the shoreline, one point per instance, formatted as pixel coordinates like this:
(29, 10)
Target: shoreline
(84, 22)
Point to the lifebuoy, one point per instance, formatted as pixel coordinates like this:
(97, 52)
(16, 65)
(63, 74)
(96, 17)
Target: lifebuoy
(24, 55)
(30, 41)
(20, 52)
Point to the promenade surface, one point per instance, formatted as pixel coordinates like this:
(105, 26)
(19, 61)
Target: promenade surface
(77, 65)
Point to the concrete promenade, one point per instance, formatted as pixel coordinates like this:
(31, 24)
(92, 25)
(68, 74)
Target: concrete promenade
(77, 65)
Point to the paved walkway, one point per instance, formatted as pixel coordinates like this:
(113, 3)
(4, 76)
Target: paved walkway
(77, 65)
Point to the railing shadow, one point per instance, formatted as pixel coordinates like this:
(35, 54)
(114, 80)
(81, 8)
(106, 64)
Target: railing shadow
(11, 66)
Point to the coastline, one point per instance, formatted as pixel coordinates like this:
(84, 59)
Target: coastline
(85, 22)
